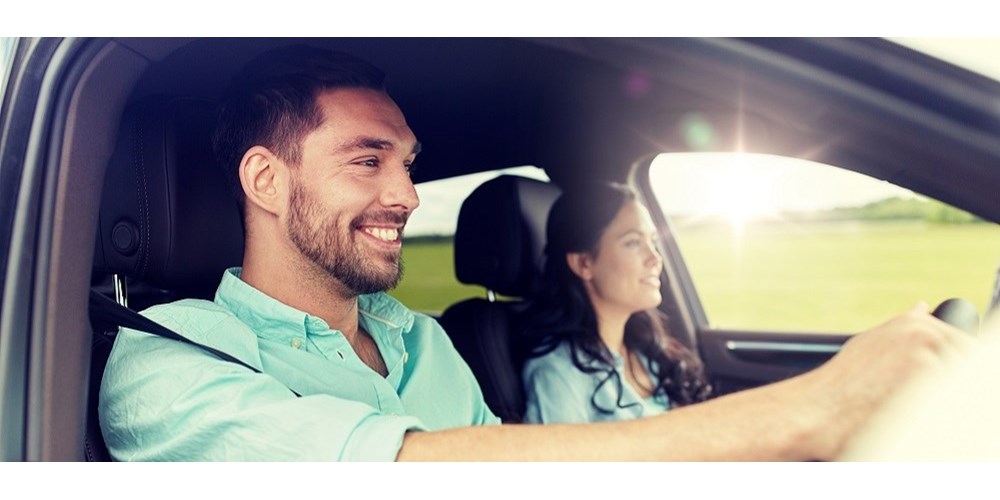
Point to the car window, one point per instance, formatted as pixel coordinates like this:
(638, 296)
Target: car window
(10, 173)
(774, 243)
(6, 60)
(7, 45)
(429, 283)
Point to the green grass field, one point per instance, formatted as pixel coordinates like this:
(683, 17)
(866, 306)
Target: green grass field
(429, 283)
(824, 277)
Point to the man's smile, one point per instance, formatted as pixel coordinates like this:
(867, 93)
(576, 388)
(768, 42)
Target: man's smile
(384, 234)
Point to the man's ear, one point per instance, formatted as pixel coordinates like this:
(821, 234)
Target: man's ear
(264, 179)
(580, 263)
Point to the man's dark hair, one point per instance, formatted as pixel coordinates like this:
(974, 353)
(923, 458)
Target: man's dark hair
(272, 102)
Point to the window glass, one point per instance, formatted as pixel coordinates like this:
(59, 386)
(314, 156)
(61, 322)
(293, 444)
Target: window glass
(429, 283)
(7, 45)
(776, 243)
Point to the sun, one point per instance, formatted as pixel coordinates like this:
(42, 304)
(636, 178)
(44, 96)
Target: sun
(739, 196)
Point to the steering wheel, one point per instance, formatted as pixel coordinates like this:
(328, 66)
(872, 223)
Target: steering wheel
(959, 313)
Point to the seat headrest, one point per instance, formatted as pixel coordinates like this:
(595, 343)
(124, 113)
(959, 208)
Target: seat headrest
(167, 216)
(500, 238)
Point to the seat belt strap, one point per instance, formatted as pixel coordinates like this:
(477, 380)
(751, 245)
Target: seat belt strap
(106, 310)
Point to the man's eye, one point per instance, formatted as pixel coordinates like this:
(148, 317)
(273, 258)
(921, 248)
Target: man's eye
(410, 167)
(631, 243)
(368, 162)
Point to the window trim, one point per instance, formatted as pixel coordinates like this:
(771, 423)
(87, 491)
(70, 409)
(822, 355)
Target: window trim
(682, 305)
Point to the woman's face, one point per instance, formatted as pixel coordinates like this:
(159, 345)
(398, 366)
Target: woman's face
(623, 276)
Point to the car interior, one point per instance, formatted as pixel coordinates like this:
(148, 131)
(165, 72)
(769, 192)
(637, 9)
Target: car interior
(126, 158)
(169, 228)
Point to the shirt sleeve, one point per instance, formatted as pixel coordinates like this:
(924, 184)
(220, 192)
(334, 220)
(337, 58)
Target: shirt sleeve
(165, 400)
(557, 392)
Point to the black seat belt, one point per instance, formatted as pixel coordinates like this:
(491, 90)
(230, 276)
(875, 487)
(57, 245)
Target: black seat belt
(104, 309)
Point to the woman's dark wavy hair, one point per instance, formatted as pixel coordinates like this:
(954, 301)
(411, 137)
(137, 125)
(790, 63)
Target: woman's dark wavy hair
(563, 312)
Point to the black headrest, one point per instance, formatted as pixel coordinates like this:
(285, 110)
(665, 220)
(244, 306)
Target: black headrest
(500, 238)
(167, 216)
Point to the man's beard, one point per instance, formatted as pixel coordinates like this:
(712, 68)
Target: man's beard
(320, 238)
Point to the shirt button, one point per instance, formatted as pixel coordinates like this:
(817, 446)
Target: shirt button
(406, 356)
(297, 343)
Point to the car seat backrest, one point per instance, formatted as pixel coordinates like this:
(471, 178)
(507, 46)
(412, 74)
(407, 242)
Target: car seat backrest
(167, 221)
(500, 237)
(167, 216)
(499, 244)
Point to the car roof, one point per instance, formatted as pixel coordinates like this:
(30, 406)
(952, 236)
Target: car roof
(592, 107)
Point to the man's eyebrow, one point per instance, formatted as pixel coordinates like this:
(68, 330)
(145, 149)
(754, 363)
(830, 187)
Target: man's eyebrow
(373, 143)
(365, 143)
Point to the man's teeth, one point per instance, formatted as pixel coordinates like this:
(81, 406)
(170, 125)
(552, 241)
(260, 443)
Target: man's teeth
(383, 233)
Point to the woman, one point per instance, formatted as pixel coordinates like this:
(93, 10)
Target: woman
(599, 347)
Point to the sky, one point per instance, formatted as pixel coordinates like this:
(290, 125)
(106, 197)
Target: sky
(741, 186)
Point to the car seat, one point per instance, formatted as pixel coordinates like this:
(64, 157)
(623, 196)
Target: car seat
(168, 226)
(499, 244)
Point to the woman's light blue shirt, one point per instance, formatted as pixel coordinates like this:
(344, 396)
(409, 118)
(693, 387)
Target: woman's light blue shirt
(558, 392)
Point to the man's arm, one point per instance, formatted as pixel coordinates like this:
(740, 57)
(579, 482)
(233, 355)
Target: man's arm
(750, 425)
(808, 417)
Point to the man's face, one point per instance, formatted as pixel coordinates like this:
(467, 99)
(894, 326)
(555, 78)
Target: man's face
(351, 195)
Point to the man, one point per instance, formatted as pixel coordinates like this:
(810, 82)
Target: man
(319, 155)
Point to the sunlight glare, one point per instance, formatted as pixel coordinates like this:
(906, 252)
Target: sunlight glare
(739, 195)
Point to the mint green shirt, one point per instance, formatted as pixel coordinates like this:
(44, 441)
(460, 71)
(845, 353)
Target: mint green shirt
(165, 400)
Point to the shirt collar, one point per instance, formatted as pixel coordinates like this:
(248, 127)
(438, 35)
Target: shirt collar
(381, 308)
(273, 319)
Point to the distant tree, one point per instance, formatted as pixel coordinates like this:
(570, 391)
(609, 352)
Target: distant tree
(947, 214)
(895, 208)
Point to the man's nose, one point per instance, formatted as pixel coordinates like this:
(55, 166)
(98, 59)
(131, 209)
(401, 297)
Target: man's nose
(399, 191)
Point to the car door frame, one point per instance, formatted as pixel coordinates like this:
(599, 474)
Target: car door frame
(57, 139)
(949, 105)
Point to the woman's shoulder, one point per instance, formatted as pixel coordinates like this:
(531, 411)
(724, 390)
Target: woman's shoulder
(558, 361)
(559, 354)
(559, 358)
